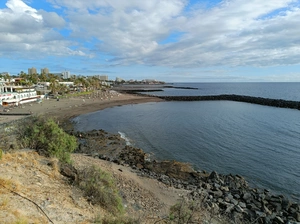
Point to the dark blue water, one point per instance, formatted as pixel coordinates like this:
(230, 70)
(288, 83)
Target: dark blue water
(258, 142)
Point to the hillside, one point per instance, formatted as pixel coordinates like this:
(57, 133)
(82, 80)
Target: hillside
(33, 191)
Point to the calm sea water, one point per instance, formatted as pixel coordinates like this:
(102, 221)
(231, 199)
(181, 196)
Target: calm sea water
(258, 142)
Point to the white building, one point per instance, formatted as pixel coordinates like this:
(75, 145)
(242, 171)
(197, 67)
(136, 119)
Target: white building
(66, 75)
(102, 77)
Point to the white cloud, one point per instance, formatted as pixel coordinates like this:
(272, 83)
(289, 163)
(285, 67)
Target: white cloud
(27, 32)
(234, 33)
(18, 7)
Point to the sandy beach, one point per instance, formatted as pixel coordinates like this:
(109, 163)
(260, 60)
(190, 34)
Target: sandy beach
(67, 108)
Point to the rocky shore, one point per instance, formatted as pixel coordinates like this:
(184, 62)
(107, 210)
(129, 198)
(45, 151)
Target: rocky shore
(229, 195)
(239, 98)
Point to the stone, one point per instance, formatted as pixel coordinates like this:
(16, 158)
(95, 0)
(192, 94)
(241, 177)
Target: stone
(296, 215)
(229, 208)
(286, 204)
(239, 209)
(247, 196)
(242, 204)
(224, 188)
(217, 194)
(260, 214)
(266, 210)
(277, 219)
(233, 201)
(214, 175)
(217, 186)
(276, 199)
(237, 196)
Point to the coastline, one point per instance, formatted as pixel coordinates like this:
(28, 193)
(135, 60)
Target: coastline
(230, 194)
(67, 108)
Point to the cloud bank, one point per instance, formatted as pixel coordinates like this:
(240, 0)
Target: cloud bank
(168, 33)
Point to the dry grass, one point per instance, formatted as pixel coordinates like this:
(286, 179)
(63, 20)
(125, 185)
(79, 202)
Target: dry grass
(4, 202)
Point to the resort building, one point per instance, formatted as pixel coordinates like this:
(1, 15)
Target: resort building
(66, 75)
(45, 71)
(102, 77)
(32, 71)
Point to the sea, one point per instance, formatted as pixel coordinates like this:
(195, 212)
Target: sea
(261, 143)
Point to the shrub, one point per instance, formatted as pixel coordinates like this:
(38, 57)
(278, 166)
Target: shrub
(45, 136)
(116, 220)
(1, 153)
(99, 188)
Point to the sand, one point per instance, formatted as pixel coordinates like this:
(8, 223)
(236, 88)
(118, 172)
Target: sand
(74, 106)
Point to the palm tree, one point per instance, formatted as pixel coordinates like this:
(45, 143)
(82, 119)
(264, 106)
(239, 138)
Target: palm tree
(62, 89)
(54, 86)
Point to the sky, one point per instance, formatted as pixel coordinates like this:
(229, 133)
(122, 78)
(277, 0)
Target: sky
(167, 40)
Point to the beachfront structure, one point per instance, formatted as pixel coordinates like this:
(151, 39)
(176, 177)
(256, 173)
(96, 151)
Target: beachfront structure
(32, 71)
(16, 95)
(45, 71)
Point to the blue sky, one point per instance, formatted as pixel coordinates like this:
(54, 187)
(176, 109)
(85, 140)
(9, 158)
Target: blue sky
(169, 40)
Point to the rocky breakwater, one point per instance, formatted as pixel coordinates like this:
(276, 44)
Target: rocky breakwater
(229, 195)
(238, 98)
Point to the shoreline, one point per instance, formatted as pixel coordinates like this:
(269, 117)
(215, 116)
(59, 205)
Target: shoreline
(230, 194)
(67, 108)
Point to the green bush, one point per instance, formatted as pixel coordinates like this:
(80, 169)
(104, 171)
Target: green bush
(116, 220)
(45, 136)
(99, 188)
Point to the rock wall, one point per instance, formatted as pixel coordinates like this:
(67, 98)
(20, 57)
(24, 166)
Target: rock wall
(239, 98)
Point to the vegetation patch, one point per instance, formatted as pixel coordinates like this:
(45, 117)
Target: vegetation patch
(47, 138)
(99, 188)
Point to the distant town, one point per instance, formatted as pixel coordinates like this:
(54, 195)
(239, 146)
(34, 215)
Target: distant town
(34, 86)
(45, 75)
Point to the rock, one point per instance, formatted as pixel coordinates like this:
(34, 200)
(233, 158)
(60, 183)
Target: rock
(68, 171)
(239, 209)
(296, 215)
(278, 220)
(229, 208)
(224, 188)
(286, 204)
(233, 201)
(214, 176)
(217, 194)
(217, 186)
(247, 196)
(276, 199)
(237, 196)
(243, 205)
(266, 210)
(260, 214)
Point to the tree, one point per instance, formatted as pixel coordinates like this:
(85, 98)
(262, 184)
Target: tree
(43, 77)
(54, 85)
(7, 78)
